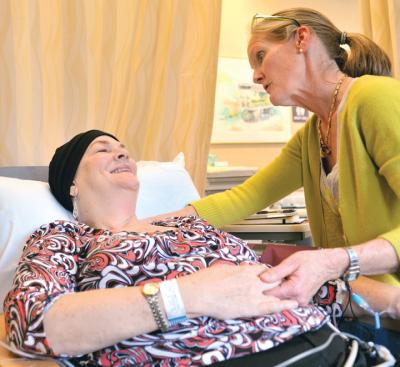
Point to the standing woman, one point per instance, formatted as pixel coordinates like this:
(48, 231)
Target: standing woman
(347, 156)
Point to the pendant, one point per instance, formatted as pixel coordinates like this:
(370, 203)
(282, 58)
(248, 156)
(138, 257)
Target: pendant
(325, 151)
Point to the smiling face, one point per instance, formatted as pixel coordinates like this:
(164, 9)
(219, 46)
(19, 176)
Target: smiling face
(105, 166)
(277, 67)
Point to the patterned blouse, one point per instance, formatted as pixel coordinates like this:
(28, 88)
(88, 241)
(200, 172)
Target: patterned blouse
(64, 257)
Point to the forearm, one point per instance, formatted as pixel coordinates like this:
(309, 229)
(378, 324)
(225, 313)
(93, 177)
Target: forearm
(377, 256)
(303, 273)
(381, 297)
(83, 322)
(87, 321)
(270, 184)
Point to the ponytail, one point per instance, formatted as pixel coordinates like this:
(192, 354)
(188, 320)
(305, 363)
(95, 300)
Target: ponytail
(364, 57)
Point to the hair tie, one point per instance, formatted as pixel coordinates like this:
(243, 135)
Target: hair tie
(343, 38)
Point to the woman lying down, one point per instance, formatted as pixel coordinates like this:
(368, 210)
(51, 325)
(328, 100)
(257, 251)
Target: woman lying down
(109, 289)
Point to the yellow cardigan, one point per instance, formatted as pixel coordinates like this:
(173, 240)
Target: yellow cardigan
(369, 172)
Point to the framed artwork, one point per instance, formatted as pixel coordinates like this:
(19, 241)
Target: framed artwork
(243, 112)
(300, 114)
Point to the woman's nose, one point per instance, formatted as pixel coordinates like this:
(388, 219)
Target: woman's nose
(257, 77)
(122, 155)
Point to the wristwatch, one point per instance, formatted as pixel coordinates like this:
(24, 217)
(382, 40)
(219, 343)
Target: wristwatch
(151, 293)
(353, 271)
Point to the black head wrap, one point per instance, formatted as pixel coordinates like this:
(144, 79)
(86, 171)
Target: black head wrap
(65, 162)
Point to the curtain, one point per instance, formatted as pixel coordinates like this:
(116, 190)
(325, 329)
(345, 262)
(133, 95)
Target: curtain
(142, 69)
(380, 20)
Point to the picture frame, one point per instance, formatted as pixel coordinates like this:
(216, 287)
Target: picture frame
(243, 112)
(300, 114)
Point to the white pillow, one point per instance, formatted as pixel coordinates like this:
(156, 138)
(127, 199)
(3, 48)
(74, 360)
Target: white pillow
(26, 204)
(164, 187)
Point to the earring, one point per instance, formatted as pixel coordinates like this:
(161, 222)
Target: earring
(299, 48)
(75, 209)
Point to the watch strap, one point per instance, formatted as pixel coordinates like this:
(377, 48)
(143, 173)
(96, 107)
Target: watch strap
(353, 271)
(154, 303)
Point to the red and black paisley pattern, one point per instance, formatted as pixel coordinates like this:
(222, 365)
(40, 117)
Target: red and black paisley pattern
(64, 257)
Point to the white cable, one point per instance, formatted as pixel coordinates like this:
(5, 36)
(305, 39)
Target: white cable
(382, 351)
(353, 354)
(354, 346)
(385, 354)
(336, 330)
(308, 352)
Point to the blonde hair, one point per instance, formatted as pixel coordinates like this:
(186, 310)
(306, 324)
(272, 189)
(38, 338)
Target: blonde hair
(364, 57)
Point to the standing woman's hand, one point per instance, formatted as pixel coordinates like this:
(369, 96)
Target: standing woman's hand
(304, 272)
(184, 212)
(230, 291)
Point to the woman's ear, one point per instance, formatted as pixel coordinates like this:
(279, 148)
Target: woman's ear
(73, 190)
(302, 38)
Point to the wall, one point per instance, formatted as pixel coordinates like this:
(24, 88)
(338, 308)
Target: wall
(235, 24)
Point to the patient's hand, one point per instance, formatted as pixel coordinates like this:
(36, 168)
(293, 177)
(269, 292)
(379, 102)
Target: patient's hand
(230, 291)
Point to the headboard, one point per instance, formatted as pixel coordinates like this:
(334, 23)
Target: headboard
(37, 173)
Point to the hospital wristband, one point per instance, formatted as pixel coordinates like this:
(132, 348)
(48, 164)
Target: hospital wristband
(173, 304)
